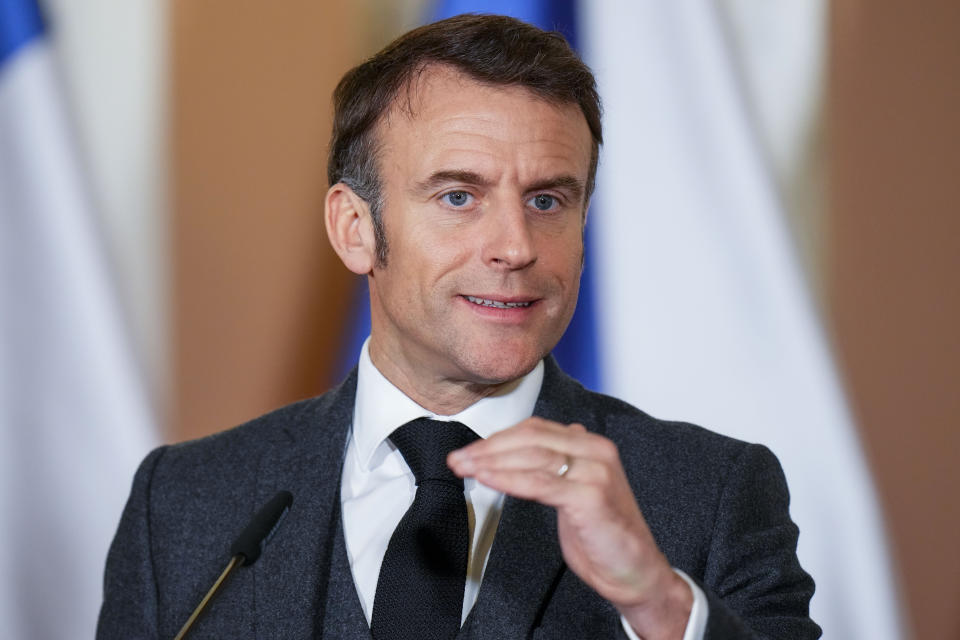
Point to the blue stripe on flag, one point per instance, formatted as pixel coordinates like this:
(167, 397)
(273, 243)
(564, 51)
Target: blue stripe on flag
(559, 15)
(578, 351)
(357, 329)
(20, 22)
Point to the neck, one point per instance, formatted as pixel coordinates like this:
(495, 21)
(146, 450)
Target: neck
(443, 396)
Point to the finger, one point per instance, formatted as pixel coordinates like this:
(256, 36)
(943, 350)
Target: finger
(582, 470)
(543, 487)
(523, 458)
(601, 468)
(529, 458)
(574, 442)
(535, 432)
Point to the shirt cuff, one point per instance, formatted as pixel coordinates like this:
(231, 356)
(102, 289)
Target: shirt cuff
(696, 623)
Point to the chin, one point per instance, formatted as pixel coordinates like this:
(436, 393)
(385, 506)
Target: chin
(509, 364)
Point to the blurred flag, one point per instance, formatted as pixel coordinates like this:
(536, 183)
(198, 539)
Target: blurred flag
(705, 314)
(74, 417)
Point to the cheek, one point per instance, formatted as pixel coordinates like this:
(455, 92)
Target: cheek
(440, 252)
(418, 274)
(568, 258)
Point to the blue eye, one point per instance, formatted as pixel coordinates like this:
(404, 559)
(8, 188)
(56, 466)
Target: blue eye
(543, 202)
(457, 198)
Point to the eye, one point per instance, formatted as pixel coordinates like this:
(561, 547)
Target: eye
(457, 198)
(543, 202)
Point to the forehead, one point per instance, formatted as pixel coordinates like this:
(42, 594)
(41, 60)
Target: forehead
(445, 117)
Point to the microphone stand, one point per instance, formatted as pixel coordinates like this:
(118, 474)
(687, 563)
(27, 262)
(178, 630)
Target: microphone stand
(246, 549)
(235, 562)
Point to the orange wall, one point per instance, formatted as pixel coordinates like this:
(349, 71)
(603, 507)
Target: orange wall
(894, 233)
(254, 279)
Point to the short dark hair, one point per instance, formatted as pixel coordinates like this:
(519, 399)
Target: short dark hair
(496, 50)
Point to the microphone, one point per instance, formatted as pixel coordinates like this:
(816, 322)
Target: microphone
(246, 549)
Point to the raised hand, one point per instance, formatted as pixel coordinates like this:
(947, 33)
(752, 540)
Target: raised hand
(603, 536)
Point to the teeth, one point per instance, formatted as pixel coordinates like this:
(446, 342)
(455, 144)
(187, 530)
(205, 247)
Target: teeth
(496, 303)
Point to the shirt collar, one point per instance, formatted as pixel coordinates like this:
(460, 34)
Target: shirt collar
(380, 407)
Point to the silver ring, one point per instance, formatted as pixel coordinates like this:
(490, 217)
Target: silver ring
(562, 471)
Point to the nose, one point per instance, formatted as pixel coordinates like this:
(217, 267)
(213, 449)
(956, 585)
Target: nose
(508, 239)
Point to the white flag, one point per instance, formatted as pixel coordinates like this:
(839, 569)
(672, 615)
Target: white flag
(703, 312)
(74, 417)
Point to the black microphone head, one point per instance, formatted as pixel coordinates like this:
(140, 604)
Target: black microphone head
(250, 543)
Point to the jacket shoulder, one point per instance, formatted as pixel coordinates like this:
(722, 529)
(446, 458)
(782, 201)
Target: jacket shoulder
(634, 430)
(679, 442)
(236, 451)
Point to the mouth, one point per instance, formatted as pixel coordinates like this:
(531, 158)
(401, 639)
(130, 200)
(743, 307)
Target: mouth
(498, 304)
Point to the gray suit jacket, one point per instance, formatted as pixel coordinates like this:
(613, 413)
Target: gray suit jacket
(717, 507)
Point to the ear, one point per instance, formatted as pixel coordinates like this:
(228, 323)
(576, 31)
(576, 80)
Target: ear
(350, 228)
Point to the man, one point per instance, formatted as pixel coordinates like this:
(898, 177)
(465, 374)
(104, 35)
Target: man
(461, 165)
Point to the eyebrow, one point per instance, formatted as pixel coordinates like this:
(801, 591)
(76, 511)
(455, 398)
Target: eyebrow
(566, 182)
(439, 178)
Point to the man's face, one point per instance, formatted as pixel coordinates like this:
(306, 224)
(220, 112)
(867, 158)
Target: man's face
(483, 211)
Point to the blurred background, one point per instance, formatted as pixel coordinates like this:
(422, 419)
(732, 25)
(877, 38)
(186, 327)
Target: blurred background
(773, 252)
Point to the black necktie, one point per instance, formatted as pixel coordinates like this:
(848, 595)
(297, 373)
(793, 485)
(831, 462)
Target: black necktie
(420, 589)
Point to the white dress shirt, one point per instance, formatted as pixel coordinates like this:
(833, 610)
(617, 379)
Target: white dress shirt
(378, 487)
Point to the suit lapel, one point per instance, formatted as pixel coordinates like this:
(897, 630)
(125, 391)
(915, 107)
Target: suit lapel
(305, 457)
(522, 569)
(343, 618)
(525, 561)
